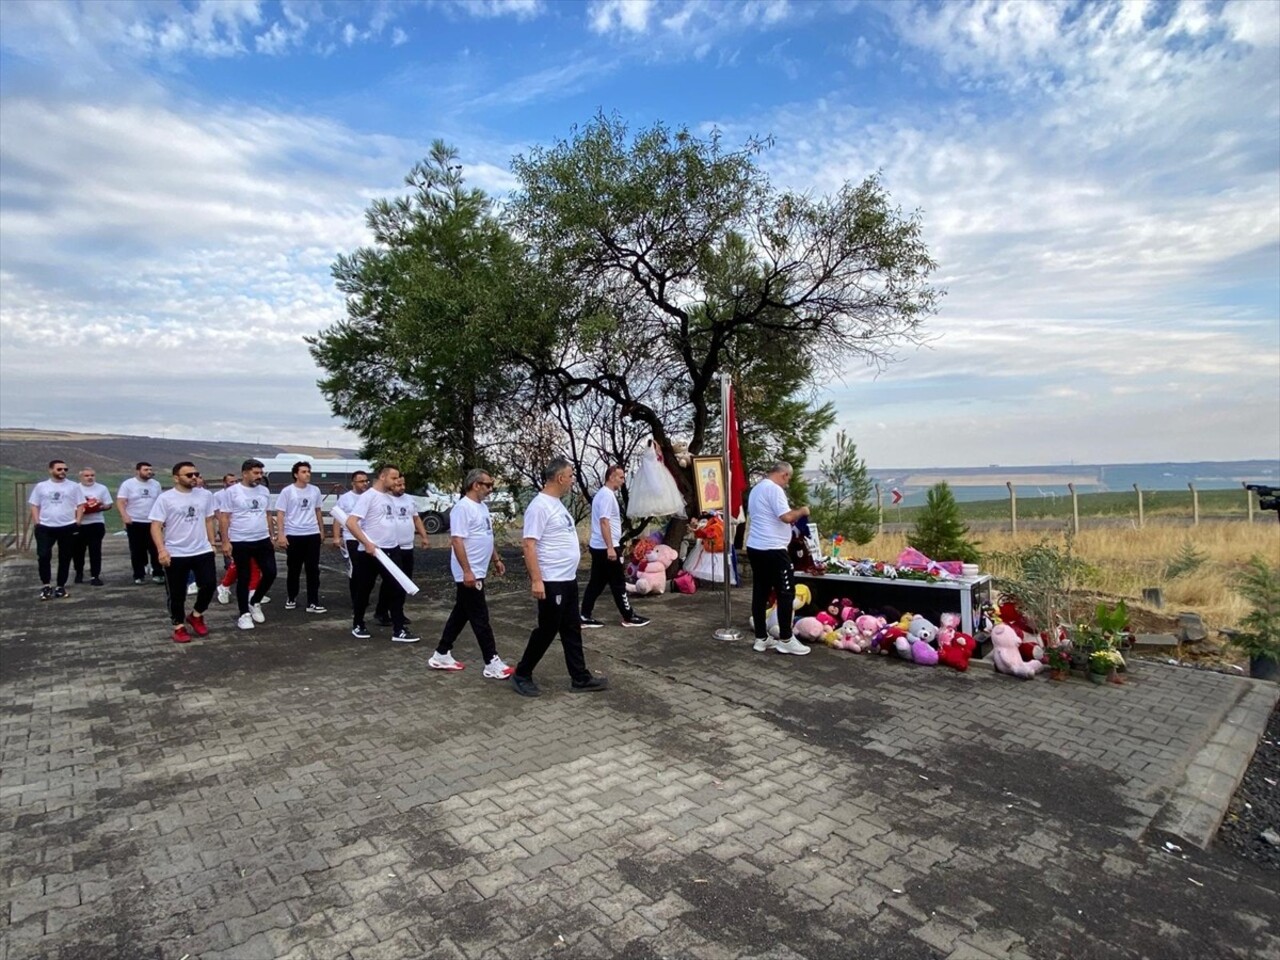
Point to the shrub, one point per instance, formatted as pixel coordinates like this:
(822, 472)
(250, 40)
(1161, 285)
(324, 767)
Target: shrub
(1259, 633)
(939, 532)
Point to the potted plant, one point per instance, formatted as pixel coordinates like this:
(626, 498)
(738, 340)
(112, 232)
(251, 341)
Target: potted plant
(1259, 632)
(1059, 660)
(1103, 663)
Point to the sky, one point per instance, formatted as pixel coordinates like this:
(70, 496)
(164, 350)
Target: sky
(1099, 183)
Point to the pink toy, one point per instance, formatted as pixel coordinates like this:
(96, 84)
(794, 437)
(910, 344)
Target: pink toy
(1005, 654)
(850, 638)
(828, 621)
(867, 627)
(808, 629)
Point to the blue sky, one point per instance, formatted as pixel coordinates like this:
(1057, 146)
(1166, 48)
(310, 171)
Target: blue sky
(1099, 182)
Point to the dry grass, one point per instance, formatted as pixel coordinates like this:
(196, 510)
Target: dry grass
(1124, 560)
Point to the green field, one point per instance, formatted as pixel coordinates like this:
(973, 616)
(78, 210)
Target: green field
(1155, 504)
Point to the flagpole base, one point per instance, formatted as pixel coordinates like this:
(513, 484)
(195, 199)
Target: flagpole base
(728, 633)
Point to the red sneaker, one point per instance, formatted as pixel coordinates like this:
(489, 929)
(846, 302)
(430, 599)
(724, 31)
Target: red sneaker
(197, 625)
(180, 635)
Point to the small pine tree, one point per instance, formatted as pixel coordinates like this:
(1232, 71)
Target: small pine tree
(940, 534)
(844, 494)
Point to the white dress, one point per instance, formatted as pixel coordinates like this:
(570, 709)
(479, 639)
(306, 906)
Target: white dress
(651, 490)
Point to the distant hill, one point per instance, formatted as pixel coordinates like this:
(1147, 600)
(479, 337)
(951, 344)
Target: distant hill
(29, 452)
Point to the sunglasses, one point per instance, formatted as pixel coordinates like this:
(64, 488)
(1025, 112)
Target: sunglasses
(189, 476)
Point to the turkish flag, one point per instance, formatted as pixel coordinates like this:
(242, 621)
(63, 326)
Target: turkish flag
(897, 495)
(737, 473)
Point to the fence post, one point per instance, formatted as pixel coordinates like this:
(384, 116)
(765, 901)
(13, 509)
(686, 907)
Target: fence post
(879, 513)
(1195, 505)
(1141, 519)
(1075, 509)
(1248, 499)
(1013, 507)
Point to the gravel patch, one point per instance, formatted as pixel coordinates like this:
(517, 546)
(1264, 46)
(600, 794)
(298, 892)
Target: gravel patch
(1255, 809)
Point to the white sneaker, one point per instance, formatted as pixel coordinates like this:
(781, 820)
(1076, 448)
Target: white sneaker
(495, 669)
(255, 611)
(316, 608)
(192, 589)
(224, 594)
(791, 646)
(768, 643)
(245, 621)
(264, 600)
(444, 661)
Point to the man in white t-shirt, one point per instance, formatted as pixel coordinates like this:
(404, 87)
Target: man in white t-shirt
(300, 531)
(342, 537)
(768, 536)
(95, 500)
(372, 522)
(552, 552)
(182, 528)
(54, 507)
(246, 524)
(606, 562)
(134, 500)
(408, 525)
(471, 550)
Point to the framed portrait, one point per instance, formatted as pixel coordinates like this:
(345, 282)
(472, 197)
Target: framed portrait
(708, 475)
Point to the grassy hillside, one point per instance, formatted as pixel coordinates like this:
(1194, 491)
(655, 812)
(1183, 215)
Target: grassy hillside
(1156, 504)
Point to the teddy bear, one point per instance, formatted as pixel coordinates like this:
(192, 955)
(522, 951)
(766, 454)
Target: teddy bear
(680, 447)
(867, 628)
(956, 650)
(651, 573)
(1005, 655)
(850, 638)
(886, 638)
(921, 634)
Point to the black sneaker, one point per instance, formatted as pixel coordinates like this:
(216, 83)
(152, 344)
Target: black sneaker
(291, 604)
(59, 593)
(524, 686)
(636, 620)
(590, 686)
(404, 635)
(95, 582)
(46, 593)
(359, 632)
(590, 623)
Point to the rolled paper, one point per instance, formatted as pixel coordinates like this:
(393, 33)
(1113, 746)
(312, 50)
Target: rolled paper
(388, 564)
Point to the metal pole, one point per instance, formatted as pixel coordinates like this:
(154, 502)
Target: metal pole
(1141, 518)
(726, 632)
(1195, 505)
(1075, 509)
(1013, 507)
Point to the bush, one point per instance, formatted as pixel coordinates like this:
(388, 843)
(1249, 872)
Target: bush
(1188, 560)
(1042, 581)
(843, 505)
(1259, 633)
(939, 532)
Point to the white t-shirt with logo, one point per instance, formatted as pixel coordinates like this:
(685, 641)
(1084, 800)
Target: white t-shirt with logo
(403, 511)
(548, 522)
(141, 495)
(57, 500)
(94, 491)
(376, 513)
(299, 505)
(767, 503)
(345, 502)
(470, 522)
(183, 516)
(604, 506)
(248, 508)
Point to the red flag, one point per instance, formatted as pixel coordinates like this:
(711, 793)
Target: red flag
(897, 495)
(737, 474)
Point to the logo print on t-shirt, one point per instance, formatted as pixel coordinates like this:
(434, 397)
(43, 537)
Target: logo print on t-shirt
(304, 501)
(253, 504)
(191, 513)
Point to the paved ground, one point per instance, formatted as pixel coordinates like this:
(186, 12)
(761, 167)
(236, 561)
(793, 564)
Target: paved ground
(295, 792)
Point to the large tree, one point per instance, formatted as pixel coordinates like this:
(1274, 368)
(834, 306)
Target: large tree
(420, 367)
(674, 249)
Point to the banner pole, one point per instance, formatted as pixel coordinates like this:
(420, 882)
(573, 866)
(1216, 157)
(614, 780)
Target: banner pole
(726, 632)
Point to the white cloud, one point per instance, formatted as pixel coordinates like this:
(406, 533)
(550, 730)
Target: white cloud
(520, 9)
(626, 16)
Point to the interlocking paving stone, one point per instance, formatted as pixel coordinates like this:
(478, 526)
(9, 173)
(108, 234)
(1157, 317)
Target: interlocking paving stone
(291, 792)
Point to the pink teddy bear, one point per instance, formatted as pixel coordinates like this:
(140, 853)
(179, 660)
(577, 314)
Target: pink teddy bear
(1005, 655)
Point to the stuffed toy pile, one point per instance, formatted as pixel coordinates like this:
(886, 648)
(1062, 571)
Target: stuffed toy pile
(955, 649)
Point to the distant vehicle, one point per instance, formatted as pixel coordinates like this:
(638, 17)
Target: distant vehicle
(334, 476)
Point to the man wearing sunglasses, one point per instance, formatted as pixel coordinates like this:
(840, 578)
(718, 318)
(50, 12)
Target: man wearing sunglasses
(134, 500)
(54, 505)
(182, 529)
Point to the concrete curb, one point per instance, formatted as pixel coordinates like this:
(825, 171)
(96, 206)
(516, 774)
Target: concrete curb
(1195, 811)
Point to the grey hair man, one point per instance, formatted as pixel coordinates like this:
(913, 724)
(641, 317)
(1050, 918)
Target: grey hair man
(552, 553)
